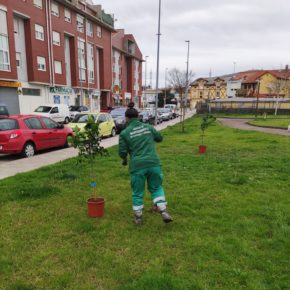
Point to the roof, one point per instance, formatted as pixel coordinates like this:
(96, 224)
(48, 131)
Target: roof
(253, 76)
(212, 80)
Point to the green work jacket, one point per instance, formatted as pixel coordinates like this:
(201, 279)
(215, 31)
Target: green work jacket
(138, 140)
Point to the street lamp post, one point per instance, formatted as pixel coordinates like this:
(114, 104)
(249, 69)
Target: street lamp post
(186, 89)
(165, 94)
(157, 70)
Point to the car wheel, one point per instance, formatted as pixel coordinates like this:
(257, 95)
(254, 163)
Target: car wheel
(28, 150)
(113, 133)
(66, 120)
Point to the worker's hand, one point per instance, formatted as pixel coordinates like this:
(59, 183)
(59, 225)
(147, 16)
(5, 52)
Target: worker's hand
(124, 162)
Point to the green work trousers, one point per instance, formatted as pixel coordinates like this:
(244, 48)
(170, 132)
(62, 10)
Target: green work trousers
(154, 178)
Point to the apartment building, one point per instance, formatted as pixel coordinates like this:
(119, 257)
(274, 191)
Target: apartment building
(54, 51)
(127, 69)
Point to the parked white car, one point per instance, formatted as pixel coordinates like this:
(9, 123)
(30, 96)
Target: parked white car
(173, 109)
(75, 110)
(57, 112)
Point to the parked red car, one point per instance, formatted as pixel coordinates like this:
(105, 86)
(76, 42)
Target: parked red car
(27, 134)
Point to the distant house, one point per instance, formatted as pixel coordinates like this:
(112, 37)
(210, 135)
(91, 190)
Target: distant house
(247, 84)
(209, 88)
(263, 83)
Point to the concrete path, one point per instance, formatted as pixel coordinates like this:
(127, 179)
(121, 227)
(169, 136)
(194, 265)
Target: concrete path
(11, 165)
(242, 124)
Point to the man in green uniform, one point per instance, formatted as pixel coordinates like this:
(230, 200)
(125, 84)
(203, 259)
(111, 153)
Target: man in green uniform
(138, 141)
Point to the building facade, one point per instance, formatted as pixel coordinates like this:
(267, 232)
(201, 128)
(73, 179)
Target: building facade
(248, 84)
(208, 89)
(59, 51)
(127, 69)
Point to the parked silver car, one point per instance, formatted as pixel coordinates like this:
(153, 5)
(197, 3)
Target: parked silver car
(166, 114)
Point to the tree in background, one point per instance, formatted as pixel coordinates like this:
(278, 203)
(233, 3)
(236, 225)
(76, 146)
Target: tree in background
(177, 80)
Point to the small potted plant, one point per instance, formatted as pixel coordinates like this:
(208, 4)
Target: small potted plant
(206, 121)
(87, 141)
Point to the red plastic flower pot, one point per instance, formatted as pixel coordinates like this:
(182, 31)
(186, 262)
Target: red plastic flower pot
(202, 149)
(96, 207)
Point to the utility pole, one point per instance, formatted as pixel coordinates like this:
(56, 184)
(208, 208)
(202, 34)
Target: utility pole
(157, 70)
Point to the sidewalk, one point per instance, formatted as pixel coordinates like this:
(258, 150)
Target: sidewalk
(242, 124)
(12, 167)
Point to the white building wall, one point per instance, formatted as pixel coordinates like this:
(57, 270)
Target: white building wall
(232, 86)
(67, 61)
(19, 37)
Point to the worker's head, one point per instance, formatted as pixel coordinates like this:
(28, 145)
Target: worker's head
(131, 112)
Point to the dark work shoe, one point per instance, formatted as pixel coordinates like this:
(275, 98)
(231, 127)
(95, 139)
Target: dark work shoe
(166, 216)
(138, 219)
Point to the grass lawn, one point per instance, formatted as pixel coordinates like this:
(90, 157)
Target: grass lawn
(230, 230)
(275, 123)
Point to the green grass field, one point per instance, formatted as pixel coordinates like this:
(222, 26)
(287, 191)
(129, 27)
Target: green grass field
(275, 123)
(230, 231)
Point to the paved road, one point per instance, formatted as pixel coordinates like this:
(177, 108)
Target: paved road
(11, 165)
(242, 124)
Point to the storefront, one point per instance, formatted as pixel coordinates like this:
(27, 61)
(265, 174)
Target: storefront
(61, 95)
(9, 96)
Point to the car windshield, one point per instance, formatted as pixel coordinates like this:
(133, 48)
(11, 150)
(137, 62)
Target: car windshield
(8, 124)
(74, 108)
(118, 112)
(43, 109)
(81, 118)
(163, 110)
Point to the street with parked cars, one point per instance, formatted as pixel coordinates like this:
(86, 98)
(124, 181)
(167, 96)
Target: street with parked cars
(26, 135)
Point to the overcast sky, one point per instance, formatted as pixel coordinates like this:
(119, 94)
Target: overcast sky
(253, 34)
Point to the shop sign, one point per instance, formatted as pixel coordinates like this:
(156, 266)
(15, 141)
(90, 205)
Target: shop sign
(10, 84)
(61, 90)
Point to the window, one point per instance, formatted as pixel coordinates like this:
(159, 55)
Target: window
(90, 62)
(18, 59)
(4, 45)
(56, 38)
(99, 31)
(39, 32)
(55, 110)
(81, 59)
(90, 28)
(57, 67)
(49, 124)
(56, 100)
(37, 3)
(102, 118)
(41, 65)
(80, 23)
(67, 15)
(54, 9)
(66, 100)
(33, 123)
(16, 25)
